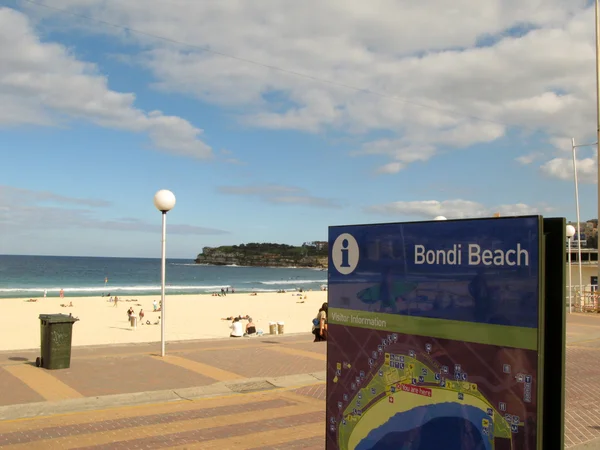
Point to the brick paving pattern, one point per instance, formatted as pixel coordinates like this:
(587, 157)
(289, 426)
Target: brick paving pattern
(20, 437)
(196, 436)
(267, 420)
(257, 362)
(121, 369)
(139, 373)
(315, 443)
(582, 412)
(14, 391)
(316, 347)
(317, 391)
(263, 420)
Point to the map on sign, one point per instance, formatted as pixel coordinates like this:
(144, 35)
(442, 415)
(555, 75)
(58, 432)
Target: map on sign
(399, 380)
(434, 356)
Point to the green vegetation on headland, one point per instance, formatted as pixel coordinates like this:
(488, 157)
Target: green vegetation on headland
(309, 254)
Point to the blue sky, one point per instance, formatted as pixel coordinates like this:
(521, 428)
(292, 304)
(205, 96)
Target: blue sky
(364, 119)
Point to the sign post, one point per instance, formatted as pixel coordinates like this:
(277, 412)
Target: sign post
(436, 335)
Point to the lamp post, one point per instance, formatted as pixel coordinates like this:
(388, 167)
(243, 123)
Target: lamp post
(574, 148)
(164, 201)
(570, 234)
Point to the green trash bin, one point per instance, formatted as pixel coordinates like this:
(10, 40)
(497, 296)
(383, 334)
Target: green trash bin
(56, 332)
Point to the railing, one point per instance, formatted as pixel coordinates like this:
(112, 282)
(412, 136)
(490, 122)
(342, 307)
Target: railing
(583, 298)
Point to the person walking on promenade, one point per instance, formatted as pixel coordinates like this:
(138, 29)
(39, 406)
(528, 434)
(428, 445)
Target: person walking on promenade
(320, 324)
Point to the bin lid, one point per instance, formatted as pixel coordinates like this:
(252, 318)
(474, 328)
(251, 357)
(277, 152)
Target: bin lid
(58, 318)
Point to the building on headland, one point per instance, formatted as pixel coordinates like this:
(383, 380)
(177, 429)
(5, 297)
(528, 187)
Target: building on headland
(319, 245)
(588, 233)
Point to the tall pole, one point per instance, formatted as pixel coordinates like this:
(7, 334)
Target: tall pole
(581, 297)
(570, 280)
(162, 284)
(598, 116)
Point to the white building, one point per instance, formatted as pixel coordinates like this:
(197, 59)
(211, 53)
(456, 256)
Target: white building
(589, 266)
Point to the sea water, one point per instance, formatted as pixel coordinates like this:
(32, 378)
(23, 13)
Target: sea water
(29, 276)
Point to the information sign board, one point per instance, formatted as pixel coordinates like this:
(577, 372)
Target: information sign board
(435, 335)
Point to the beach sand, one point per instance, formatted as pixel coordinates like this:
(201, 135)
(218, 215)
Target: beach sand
(188, 317)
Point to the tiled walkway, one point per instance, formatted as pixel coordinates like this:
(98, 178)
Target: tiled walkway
(288, 418)
(260, 420)
(138, 368)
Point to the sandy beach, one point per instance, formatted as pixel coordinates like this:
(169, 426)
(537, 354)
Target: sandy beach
(188, 317)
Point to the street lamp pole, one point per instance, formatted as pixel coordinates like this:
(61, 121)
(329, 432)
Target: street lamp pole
(164, 201)
(570, 233)
(573, 149)
(163, 267)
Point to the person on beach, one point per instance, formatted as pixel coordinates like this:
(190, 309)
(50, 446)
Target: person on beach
(240, 317)
(116, 300)
(62, 294)
(45, 292)
(319, 328)
(236, 328)
(155, 305)
(250, 327)
(141, 314)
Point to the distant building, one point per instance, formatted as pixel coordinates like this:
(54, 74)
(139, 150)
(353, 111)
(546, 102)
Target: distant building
(319, 245)
(589, 266)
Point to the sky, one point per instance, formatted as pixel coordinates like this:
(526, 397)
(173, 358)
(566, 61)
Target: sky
(271, 120)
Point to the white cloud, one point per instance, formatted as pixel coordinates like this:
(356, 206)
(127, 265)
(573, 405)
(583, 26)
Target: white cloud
(16, 196)
(562, 168)
(452, 209)
(43, 83)
(400, 151)
(23, 210)
(279, 194)
(529, 158)
(434, 77)
(391, 168)
(266, 190)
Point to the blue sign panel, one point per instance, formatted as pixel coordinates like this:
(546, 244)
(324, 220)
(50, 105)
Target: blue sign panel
(441, 319)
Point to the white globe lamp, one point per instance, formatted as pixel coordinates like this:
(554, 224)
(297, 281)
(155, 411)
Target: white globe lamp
(164, 201)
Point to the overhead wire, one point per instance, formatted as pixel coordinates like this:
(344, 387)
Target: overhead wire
(283, 70)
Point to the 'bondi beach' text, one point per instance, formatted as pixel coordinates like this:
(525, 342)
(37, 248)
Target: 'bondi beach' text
(475, 256)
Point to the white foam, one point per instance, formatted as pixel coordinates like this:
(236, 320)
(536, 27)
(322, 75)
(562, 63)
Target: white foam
(117, 288)
(293, 282)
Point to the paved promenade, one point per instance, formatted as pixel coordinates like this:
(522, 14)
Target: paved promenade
(259, 393)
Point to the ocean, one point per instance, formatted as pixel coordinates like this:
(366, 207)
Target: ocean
(29, 276)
